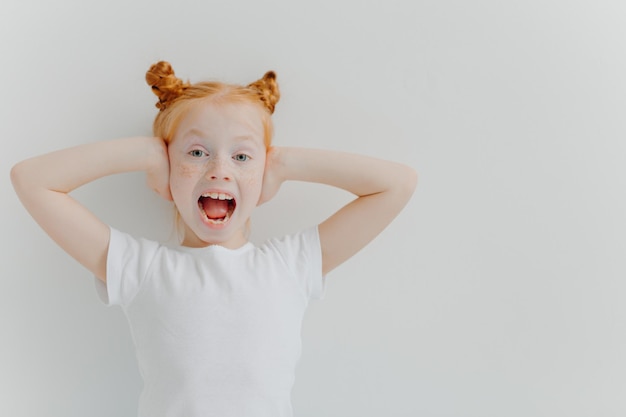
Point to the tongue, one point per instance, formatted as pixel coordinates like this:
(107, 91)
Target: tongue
(215, 209)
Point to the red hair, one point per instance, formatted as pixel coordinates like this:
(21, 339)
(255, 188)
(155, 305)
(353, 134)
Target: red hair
(176, 96)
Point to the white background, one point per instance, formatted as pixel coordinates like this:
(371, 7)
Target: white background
(499, 291)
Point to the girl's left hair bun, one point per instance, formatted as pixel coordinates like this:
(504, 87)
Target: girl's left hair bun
(267, 90)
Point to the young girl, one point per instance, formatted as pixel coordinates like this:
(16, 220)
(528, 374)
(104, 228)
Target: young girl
(216, 321)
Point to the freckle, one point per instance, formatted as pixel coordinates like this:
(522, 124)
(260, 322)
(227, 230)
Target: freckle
(186, 171)
(253, 179)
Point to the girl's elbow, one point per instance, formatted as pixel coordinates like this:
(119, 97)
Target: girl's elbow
(23, 176)
(412, 178)
(409, 180)
(17, 175)
(403, 185)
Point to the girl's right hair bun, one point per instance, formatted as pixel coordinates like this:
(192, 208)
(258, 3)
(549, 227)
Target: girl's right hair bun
(164, 83)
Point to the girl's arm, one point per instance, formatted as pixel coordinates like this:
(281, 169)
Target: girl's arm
(382, 188)
(44, 182)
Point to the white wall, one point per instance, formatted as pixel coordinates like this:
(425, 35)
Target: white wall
(497, 292)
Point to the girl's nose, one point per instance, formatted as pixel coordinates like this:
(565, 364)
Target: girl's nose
(218, 170)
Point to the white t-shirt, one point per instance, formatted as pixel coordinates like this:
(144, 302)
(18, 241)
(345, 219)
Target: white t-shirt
(216, 331)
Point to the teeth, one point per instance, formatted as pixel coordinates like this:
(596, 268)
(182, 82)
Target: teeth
(218, 196)
(220, 221)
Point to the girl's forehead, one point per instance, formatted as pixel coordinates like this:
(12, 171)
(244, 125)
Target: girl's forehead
(209, 120)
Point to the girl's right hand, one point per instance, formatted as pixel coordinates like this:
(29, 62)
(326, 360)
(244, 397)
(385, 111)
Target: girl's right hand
(158, 176)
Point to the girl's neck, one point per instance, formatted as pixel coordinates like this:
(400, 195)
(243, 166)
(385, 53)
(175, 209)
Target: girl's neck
(234, 242)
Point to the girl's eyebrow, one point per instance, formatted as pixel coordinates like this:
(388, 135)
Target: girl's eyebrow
(193, 132)
(198, 133)
(241, 140)
(245, 138)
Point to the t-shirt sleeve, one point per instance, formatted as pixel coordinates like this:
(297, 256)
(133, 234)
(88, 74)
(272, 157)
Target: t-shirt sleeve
(128, 261)
(303, 254)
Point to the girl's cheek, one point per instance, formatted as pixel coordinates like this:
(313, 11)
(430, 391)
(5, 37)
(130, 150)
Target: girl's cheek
(255, 173)
(253, 177)
(182, 179)
(185, 171)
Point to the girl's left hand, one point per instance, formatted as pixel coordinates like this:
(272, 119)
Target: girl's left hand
(272, 179)
(158, 175)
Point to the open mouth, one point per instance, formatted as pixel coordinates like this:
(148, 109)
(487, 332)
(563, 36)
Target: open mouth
(216, 208)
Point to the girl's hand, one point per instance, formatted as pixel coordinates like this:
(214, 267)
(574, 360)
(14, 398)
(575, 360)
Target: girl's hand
(272, 179)
(158, 176)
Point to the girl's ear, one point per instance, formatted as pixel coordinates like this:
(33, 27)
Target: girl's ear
(267, 89)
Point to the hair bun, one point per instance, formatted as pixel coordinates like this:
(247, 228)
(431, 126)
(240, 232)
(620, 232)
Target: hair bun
(268, 91)
(165, 85)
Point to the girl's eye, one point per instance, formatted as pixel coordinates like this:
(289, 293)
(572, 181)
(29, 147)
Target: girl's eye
(241, 157)
(197, 153)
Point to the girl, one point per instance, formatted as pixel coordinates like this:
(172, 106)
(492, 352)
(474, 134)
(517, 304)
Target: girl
(216, 320)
